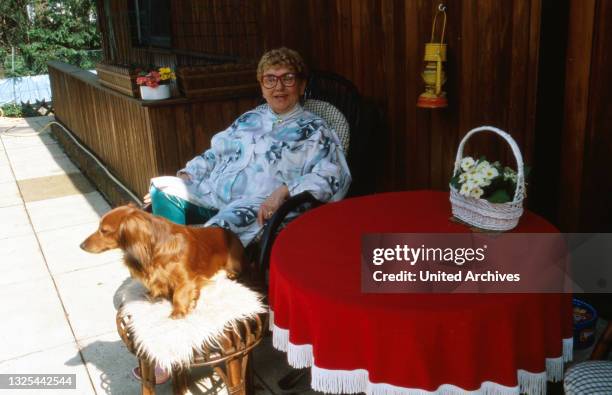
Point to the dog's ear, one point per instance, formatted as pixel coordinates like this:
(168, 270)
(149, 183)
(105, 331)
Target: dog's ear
(132, 205)
(136, 237)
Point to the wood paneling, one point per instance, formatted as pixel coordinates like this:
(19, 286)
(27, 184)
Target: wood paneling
(378, 44)
(492, 73)
(494, 50)
(586, 174)
(137, 140)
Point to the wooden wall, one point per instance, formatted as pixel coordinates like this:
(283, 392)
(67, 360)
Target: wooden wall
(378, 44)
(137, 140)
(219, 29)
(506, 68)
(586, 172)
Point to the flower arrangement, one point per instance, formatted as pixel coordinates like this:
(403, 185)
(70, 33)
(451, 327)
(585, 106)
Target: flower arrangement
(155, 78)
(484, 180)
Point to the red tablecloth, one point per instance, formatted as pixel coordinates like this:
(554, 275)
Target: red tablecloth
(405, 343)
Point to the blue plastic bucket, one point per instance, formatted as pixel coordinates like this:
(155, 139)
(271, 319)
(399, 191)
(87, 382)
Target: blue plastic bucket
(585, 319)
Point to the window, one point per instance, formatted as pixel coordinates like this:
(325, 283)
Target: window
(150, 22)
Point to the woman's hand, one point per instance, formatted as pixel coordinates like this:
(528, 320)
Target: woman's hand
(272, 203)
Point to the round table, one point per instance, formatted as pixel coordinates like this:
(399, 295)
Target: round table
(406, 343)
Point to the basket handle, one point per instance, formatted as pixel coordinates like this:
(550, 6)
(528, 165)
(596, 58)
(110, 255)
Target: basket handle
(520, 178)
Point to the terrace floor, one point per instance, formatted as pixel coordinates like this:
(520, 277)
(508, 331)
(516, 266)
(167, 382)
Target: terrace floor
(58, 302)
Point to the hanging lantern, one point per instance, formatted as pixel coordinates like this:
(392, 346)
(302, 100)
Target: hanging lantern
(434, 75)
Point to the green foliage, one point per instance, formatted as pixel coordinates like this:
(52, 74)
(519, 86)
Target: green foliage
(22, 110)
(62, 30)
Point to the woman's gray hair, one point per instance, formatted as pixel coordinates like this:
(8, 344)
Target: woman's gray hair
(282, 57)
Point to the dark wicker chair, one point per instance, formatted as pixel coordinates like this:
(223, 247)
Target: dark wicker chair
(343, 95)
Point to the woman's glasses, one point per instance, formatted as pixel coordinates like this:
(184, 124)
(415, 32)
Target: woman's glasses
(270, 80)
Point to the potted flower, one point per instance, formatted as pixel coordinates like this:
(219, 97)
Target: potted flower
(482, 179)
(154, 84)
(486, 194)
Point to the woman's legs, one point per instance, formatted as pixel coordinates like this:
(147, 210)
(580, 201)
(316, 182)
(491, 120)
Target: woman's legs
(178, 210)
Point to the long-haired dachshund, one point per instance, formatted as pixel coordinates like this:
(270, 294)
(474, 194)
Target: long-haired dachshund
(172, 261)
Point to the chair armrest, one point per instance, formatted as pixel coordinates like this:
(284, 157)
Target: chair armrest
(273, 224)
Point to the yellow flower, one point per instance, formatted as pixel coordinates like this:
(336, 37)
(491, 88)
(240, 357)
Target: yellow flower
(165, 70)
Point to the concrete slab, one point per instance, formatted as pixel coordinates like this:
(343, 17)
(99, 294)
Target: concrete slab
(48, 151)
(6, 174)
(34, 189)
(110, 364)
(55, 360)
(42, 167)
(88, 296)
(9, 194)
(271, 365)
(39, 122)
(24, 137)
(62, 251)
(33, 319)
(66, 211)
(21, 260)
(15, 222)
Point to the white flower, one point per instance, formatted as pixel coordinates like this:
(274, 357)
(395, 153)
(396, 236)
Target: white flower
(483, 165)
(476, 192)
(477, 180)
(463, 178)
(465, 190)
(467, 163)
(490, 173)
(485, 182)
(509, 174)
(471, 182)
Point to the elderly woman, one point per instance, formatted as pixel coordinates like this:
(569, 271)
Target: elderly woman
(267, 155)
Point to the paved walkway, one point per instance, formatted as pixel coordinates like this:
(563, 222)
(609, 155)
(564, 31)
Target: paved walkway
(58, 302)
(58, 310)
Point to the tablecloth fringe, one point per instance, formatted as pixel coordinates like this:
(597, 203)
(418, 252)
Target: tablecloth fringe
(532, 383)
(271, 319)
(568, 349)
(300, 356)
(554, 369)
(280, 338)
(354, 381)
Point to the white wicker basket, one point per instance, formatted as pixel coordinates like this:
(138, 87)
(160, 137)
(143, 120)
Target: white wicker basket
(480, 212)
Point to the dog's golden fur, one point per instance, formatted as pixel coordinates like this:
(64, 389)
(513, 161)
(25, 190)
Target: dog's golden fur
(172, 261)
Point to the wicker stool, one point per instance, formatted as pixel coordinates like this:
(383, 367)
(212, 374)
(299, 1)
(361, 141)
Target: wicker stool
(589, 378)
(229, 361)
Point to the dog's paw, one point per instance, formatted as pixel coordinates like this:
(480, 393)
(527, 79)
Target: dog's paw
(177, 315)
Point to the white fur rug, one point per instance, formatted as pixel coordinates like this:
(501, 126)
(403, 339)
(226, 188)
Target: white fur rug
(171, 342)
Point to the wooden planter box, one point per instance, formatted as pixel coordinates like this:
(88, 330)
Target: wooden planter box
(218, 81)
(119, 78)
